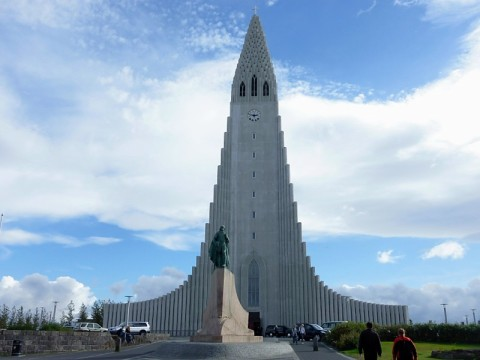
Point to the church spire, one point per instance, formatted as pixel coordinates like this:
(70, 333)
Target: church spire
(254, 77)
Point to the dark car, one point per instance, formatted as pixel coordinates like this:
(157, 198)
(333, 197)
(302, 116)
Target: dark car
(313, 329)
(278, 331)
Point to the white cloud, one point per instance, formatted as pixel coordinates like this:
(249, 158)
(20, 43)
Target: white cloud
(408, 167)
(99, 240)
(179, 240)
(387, 257)
(424, 303)
(445, 11)
(18, 237)
(149, 287)
(55, 13)
(450, 249)
(387, 168)
(118, 287)
(129, 165)
(271, 2)
(36, 291)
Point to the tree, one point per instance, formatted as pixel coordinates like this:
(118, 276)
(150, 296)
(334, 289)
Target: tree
(4, 315)
(20, 323)
(36, 319)
(70, 310)
(13, 317)
(97, 311)
(29, 321)
(83, 313)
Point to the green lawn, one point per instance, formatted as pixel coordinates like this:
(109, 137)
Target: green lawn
(424, 350)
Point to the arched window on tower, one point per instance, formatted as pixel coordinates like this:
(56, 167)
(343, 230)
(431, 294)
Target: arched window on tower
(253, 284)
(242, 89)
(266, 89)
(254, 86)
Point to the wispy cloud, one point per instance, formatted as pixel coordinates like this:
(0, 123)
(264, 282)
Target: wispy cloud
(370, 8)
(271, 2)
(19, 237)
(445, 11)
(387, 257)
(99, 240)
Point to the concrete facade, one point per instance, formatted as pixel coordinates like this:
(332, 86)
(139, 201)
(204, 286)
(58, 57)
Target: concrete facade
(253, 198)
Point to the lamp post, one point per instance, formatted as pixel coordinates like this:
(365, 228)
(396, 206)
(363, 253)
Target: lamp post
(473, 312)
(466, 319)
(54, 310)
(128, 306)
(445, 311)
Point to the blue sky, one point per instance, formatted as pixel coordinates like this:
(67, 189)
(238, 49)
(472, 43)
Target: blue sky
(112, 116)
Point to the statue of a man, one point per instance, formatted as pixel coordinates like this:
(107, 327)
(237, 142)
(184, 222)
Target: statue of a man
(218, 250)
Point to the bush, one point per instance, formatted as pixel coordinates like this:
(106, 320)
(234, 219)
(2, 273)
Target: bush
(53, 327)
(345, 336)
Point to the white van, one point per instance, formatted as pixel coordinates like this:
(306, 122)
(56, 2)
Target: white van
(91, 327)
(329, 325)
(136, 327)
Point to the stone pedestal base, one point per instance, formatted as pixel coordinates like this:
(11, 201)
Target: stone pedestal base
(224, 318)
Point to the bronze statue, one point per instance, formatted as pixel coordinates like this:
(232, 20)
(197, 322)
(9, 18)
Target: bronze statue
(218, 251)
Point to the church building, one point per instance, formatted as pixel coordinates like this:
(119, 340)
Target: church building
(253, 199)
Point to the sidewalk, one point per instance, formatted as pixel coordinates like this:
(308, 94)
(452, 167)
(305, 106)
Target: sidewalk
(304, 351)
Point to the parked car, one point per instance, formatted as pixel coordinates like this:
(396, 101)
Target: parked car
(278, 331)
(90, 327)
(329, 325)
(71, 325)
(313, 329)
(136, 327)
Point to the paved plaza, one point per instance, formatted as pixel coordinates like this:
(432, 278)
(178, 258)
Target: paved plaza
(182, 348)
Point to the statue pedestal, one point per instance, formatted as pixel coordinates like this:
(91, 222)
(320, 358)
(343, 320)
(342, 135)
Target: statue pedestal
(224, 319)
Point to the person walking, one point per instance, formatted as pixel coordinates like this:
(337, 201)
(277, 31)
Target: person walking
(302, 332)
(369, 343)
(403, 347)
(295, 334)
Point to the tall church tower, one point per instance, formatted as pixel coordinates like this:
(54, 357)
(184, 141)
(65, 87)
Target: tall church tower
(253, 198)
(252, 194)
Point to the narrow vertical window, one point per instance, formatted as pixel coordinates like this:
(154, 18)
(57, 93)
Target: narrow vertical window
(254, 86)
(253, 236)
(253, 154)
(253, 214)
(253, 194)
(253, 284)
(253, 136)
(242, 89)
(266, 89)
(253, 174)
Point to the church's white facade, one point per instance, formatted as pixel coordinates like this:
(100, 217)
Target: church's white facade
(253, 198)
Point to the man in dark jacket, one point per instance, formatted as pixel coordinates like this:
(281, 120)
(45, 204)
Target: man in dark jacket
(369, 343)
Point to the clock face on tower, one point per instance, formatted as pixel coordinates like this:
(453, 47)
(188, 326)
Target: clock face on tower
(254, 115)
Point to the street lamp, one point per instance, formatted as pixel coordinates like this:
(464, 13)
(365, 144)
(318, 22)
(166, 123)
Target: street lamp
(54, 310)
(466, 319)
(445, 311)
(473, 312)
(128, 306)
